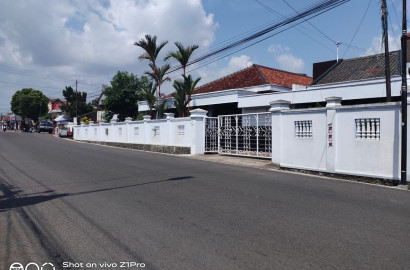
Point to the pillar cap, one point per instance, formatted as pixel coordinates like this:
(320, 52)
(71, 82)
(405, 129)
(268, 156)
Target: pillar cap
(278, 105)
(199, 113)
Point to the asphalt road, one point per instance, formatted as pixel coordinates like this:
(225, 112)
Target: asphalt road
(76, 205)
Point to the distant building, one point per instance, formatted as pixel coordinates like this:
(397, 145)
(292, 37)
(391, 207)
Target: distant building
(54, 107)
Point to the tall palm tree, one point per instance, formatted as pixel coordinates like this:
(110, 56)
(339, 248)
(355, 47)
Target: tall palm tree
(149, 44)
(148, 94)
(182, 55)
(158, 75)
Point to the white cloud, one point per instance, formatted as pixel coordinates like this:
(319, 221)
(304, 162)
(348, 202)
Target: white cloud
(378, 47)
(212, 73)
(285, 59)
(91, 40)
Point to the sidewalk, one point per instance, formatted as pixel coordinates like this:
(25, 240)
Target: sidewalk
(237, 160)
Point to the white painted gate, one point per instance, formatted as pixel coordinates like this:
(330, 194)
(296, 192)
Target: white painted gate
(245, 135)
(211, 135)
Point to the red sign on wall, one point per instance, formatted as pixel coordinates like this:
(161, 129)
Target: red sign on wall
(330, 135)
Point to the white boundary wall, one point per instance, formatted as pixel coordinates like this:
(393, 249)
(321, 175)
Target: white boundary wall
(361, 140)
(187, 132)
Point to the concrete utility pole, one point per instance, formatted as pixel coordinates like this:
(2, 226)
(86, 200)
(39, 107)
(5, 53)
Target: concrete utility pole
(403, 176)
(76, 101)
(386, 50)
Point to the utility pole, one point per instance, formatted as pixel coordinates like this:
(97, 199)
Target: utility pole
(76, 102)
(386, 50)
(403, 176)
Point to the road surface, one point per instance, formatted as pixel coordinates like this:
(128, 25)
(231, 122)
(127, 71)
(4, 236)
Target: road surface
(82, 206)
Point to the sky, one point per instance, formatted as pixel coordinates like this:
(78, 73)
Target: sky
(49, 44)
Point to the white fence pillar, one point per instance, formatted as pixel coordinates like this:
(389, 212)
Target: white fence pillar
(332, 103)
(276, 110)
(171, 127)
(198, 131)
(147, 129)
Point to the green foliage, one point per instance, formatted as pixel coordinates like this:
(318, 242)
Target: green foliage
(29, 103)
(158, 75)
(149, 44)
(161, 107)
(140, 116)
(182, 96)
(122, 96)
(76, 102)
(182, 55)
(147, 93)
(85, 120)
(46, 116)
(179, 96)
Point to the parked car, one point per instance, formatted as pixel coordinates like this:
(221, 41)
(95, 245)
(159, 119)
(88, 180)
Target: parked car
(45, 126)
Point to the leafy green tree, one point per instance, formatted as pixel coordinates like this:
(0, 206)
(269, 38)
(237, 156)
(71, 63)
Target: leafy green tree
(182, 55)
(29, 103)
(122, 96)
(76, 102)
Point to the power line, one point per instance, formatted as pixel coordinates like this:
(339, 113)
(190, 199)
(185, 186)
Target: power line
(297, 28)
(310, 12)
(317, 29)
(358, 27)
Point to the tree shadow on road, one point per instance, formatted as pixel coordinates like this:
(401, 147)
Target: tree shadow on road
(13, 198)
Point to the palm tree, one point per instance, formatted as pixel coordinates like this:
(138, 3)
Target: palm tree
(158, 75)
(149, 44)
(189, 87)
(179, 96)
(148, 94)
(161, 107)
(183, 89)
(182, 55)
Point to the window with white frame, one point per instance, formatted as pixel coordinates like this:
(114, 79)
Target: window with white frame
(368, 128)
(303, 129)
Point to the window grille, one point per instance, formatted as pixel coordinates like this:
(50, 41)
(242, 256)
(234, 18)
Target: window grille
(181, 129)
(368, 128)
(303, 129)
(136, 131)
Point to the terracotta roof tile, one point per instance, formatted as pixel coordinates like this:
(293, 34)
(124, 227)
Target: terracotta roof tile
(253, 76)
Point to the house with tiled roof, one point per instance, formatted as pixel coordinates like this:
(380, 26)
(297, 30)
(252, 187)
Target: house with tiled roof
(221, 96)
(54, 106)
(357, 80)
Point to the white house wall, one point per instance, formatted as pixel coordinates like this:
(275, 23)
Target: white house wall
(354, 90)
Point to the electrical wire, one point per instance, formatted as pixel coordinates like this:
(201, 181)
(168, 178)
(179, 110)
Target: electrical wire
(357, 30)
(310, 12)
(297, 28)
